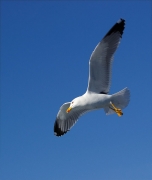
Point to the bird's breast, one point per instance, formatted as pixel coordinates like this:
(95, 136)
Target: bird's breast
(97, 100)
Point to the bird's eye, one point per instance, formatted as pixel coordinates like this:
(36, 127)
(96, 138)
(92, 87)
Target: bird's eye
(72, 102)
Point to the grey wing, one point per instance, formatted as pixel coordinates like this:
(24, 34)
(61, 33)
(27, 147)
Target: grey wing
(101, 59)
(64, 121)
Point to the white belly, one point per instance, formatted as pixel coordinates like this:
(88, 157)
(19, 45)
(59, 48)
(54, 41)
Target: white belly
(97, 100)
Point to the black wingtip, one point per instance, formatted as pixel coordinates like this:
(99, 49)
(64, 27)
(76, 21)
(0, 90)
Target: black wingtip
(118, 27)
(57, 130)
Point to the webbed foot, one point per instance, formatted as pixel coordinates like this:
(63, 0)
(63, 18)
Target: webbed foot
(117, 110)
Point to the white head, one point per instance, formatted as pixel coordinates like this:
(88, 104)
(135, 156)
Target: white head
(74, 103)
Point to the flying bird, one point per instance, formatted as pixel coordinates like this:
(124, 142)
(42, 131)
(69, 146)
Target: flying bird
(96, 96)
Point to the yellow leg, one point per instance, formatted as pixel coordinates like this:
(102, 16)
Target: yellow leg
(118, 111)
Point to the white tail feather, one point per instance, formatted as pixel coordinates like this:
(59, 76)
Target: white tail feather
(120, 100)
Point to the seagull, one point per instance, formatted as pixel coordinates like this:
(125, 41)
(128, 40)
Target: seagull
(96, 96)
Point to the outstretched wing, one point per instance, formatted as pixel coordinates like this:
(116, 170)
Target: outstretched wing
(64, 121)
(101, 59)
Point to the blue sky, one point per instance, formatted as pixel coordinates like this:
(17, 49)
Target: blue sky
(45, 50)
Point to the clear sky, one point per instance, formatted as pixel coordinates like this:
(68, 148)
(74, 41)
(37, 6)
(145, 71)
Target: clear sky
(45, 50)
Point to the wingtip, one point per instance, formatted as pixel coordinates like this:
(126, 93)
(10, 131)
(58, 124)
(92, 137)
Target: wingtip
(57, 131)
(121, 20)
(119, 26)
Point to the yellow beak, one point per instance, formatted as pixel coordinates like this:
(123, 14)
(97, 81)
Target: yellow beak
(68, 110)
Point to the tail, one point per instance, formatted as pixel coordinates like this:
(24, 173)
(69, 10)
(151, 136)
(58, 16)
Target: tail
(120, 100)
